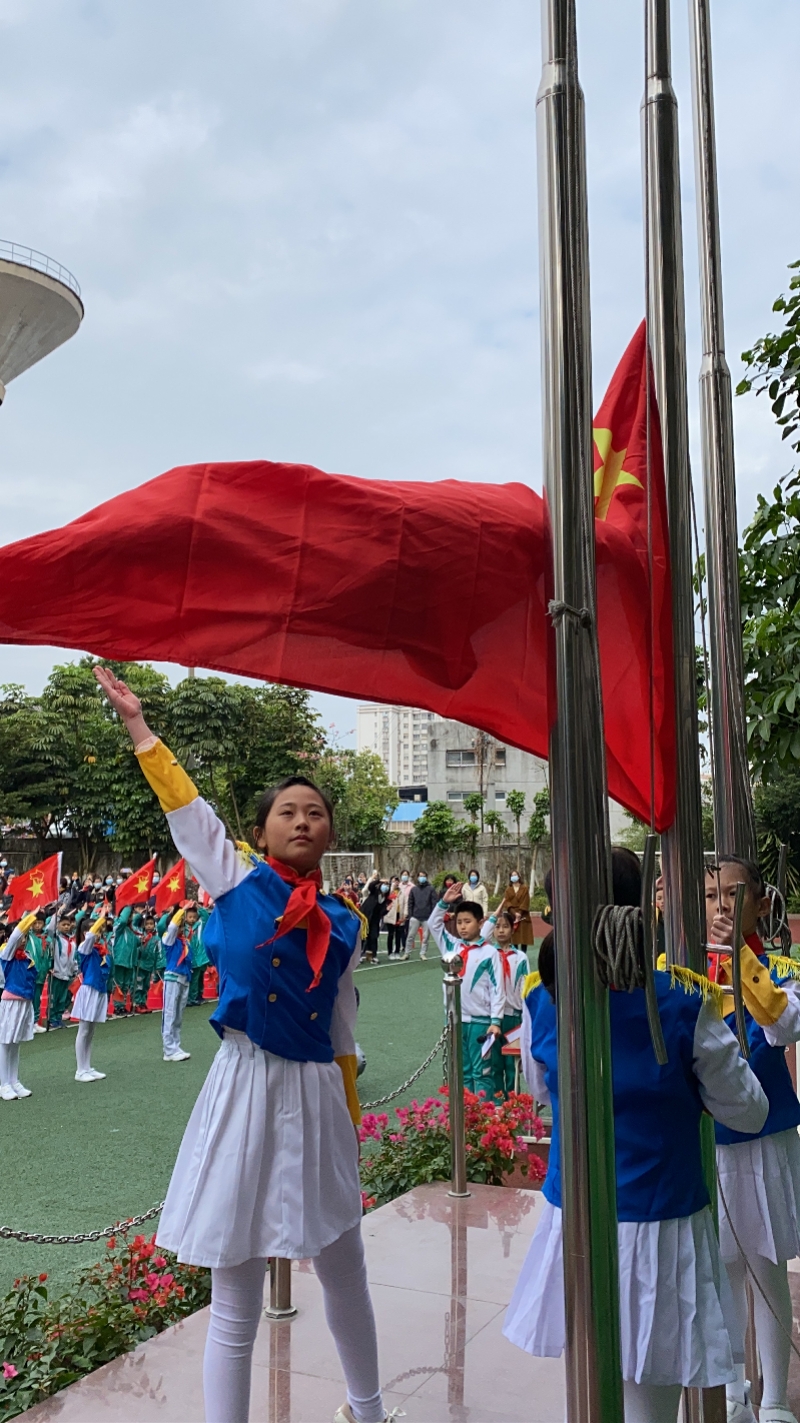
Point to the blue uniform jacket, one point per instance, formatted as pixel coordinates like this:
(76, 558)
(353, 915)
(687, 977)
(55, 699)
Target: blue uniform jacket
(264, 987)
(770, 1067)
(657, 1110)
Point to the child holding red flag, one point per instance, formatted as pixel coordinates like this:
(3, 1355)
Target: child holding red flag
(269, 1161)
(91, 1000)
(16, 1007)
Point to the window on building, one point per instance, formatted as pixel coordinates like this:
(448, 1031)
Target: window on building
(455, 795)
(500, 795)
(460, 758)
(499, 755)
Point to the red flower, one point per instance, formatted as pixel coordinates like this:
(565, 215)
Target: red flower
(9, 1372)
(111, 1243)
(138, 1294)
(42, 1278)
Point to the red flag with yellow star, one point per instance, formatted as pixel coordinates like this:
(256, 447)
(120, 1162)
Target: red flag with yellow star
(136, 889)
(631, 515)
(35, 888)
(171, 887)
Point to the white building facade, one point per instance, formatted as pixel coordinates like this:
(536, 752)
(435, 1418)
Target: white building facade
(461, 760)
(399, 735)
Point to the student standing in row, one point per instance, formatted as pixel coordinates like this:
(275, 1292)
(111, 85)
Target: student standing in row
(421, 904)
(16, 1007)
(500, 928)
(200, 959)
(269, 1161)
(759, 1170)
(91, 1000)
(482, 998)
(177, 974)
(39, 948)
(65, 966)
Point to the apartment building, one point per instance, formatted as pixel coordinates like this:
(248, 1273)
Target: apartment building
(399, 735)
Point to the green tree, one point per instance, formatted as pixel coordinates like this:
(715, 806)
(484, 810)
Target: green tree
(468, 839)
(436, 831)
(473, 805)
(494, 824)
(777, 808)
(515, 803)
(363, 797)
(79, 740)
(538, 833)
(30, 790)
(770, 561)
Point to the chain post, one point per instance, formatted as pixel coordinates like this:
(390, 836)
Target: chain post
(280, 1290)
(455, 1082)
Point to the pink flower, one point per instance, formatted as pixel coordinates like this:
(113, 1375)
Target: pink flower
(9, 1372)
(138, 1294)
(152, 1282)
(167, 1280)
(159, 1262)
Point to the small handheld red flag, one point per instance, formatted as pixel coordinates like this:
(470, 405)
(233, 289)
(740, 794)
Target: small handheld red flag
(137, 888)
(35, 888)
(171, 888)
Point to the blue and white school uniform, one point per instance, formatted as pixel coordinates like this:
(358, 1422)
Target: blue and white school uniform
(759, 1172)
(676, 1314)
(91, 1000)
(16, 1004)
(177, 977)
(269, 1161)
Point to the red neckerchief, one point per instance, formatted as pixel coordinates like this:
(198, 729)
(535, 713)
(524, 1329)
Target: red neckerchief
(303, 911)
(753, 942)
(506, 955)
(464, 952)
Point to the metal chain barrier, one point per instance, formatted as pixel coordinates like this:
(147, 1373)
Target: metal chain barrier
(33, 1238)
(404, 1086)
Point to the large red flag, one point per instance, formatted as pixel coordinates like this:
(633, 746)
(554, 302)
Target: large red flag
(631, 515)
(136, 889)
(171, 888)
(35, 888)
(425, 594)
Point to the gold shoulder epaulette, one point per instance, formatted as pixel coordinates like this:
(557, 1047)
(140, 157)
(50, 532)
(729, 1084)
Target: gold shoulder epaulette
(785, 968)
(247, 854)
(531, 981)
(354, 909)
(692, 982)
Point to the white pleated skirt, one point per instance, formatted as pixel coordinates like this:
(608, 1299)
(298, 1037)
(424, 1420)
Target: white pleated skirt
(16, 1020)
(90, 1005)
(760, 1182)
(268, 1164)
(677, 1322)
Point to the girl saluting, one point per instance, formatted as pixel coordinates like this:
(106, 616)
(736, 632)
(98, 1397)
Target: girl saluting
(269, 1160)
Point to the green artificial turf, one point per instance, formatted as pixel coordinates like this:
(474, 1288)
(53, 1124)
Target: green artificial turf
(77, 1157)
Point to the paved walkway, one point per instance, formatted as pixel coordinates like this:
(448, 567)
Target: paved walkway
(441, 1272)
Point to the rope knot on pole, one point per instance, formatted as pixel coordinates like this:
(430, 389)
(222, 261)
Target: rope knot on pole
(558, 610)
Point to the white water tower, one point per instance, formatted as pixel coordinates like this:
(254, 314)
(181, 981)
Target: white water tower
(40, 308)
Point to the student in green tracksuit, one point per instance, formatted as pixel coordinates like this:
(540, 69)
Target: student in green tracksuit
(147, 962)
(40, 951)
(200, 959)
(126, 954)
(61, 946)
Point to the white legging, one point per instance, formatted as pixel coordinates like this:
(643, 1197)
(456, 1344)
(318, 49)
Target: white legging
(237, 1294)
(9, 1064)
(83, 1045)
(773, 1340)
(647, 1403)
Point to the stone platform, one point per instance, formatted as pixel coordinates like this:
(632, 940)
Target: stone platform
(441, 1273)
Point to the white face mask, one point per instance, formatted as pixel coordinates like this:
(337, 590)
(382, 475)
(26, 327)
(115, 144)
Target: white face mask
(515, 879)
(404, 878)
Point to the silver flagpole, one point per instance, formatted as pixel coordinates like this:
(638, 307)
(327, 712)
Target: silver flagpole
(734, 829)
(577, 760)
(682, 845)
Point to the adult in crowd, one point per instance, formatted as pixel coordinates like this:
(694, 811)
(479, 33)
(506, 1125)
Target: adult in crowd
(422, 901)
(374, 906)
(396, 917)
(476, 892)
(517, 901)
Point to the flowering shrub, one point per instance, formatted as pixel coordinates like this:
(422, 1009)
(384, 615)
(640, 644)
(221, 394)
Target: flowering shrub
(130, 1295)
(417, 1148)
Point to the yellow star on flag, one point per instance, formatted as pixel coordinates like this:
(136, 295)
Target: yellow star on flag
(610, 474)
(174, 884)
(142, 884)
(37, 886)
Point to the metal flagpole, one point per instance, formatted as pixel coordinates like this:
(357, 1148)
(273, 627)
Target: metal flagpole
(682, 844)
(734, 829)
(577, 760)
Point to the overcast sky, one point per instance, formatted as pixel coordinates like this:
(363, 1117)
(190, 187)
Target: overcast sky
(307, 231)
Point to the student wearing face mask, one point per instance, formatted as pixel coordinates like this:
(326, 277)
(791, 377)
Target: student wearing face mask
(517, 901)
(395, 918)
(421, 903)
(475, 890)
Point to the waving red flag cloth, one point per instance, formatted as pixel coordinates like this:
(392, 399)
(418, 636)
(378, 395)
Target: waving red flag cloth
(429, 595)
(623, 429)
(137, 888)
(35, 888)
(171, 888)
